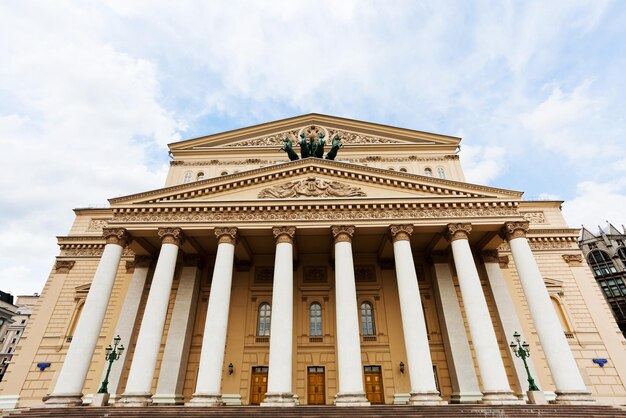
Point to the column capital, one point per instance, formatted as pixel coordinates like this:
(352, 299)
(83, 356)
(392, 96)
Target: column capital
(513, 230)
(119, 236)
(439, 257)
(284, 234)
(458, 231)
(226, 235)
(171, 236)
(490, 256)
(343, 233)
(401, 232)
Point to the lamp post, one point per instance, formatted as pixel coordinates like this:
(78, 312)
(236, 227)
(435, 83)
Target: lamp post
(521, 350)
(112, 354)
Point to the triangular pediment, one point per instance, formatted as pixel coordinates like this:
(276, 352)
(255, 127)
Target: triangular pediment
(315, 179)
(352, 132)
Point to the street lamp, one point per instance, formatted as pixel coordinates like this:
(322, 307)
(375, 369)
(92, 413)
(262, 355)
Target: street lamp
(112, 354)
(522, 351)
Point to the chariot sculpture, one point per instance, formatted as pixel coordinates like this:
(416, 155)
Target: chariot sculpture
(312, 147)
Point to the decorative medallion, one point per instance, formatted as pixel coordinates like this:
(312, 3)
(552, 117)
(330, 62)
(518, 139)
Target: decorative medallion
(310, 187)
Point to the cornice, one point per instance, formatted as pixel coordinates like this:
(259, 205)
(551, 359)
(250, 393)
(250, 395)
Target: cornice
(313, 118)
(414, 182)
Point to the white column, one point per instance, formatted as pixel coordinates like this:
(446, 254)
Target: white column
(351, 391)
(127, 320)
(507, 314)
(570, 388)
(419, 362)
(279, 390)
(209, 383)
(496, 389)
(69, 385)
(174, 362)
(465, 387)
(139, 384)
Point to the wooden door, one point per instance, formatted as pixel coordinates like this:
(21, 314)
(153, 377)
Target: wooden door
(316, 389)
(374, 384)
(258, 388)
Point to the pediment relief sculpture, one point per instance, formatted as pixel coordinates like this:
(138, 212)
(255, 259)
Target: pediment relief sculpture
(315, 131)
(310, 187)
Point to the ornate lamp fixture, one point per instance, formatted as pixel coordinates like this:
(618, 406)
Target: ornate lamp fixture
(522, 351)
(112, 354)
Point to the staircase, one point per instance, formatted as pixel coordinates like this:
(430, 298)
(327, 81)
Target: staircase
(444, 411)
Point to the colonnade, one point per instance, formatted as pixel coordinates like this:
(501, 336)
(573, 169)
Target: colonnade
(495, 385)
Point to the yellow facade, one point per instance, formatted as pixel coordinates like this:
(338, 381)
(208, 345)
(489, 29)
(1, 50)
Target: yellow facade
(382, 176)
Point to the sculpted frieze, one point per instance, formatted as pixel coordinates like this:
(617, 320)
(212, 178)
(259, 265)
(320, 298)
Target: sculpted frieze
(534, 217)
(347, 137)
(310, 187)
(317, 215)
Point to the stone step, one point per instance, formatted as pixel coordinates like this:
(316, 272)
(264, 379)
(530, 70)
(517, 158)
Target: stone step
(445, 411)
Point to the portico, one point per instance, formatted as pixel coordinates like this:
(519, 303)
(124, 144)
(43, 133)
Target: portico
(406, 244)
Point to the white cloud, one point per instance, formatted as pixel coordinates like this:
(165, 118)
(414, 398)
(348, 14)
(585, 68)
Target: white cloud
(482, 164)
(83, 123)
(596, 203)
(91, 91)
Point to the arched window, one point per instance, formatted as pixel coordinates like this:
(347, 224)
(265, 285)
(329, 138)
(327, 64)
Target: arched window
(391, 168)
(621, 253)
(223, 173)
(367, 319)
(187, 177)
(441, 173)
(263, 326)
(428, 172)
(200, 176)
(403, 170)
(601, 263)
(315, 319)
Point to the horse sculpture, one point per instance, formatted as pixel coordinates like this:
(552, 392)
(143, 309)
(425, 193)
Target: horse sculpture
(289, 149)
(336, 144)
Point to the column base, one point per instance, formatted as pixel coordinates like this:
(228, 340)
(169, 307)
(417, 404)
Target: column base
(466, 398)
(426, 398)
(573, 398)
(206, 400)
(63, 400)
(168, 399)
(351, 399)
(279, 399)
(501, 398)
(135, 399)
(100, 399)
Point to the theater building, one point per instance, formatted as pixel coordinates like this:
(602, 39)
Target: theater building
(377, 275)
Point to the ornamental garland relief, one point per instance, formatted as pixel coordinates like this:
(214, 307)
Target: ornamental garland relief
(320, 215)
(310, 187)
(347, 137)
(534, 217)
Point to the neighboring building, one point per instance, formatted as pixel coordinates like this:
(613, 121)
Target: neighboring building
(7, 311)
(11, 336)
(379, 277)
(606, 255)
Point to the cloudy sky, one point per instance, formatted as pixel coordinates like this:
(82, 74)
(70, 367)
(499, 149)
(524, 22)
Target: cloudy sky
(91, 92)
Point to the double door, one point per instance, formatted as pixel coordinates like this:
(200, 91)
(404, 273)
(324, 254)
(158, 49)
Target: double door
(259, 385)
(316, 389)
(374, 384)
